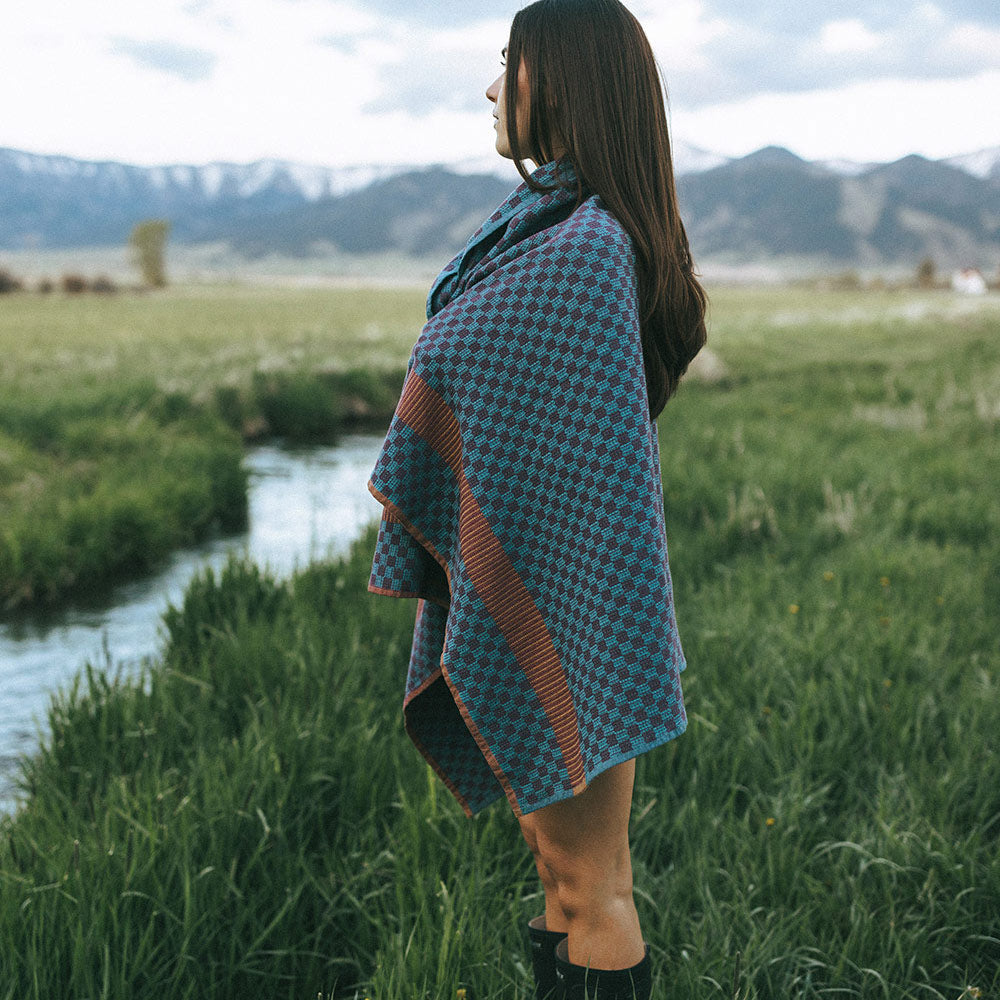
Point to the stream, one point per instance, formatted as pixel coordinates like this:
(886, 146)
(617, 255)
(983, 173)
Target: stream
(303, 505)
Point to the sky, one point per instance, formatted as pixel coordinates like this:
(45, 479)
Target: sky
(352, 82)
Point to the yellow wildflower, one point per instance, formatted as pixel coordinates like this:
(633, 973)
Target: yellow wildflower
(828, 575)
(769, 821)
(884, 580)
(793, 609)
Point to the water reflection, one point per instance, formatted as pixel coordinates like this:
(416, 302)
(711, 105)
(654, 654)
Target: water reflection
(304, 505)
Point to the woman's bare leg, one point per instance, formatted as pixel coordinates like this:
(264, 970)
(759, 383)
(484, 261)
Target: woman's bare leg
(555, 919)
(582, 854)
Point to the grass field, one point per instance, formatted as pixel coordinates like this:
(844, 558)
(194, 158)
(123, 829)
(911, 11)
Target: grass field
(122, 418)
(249, 819)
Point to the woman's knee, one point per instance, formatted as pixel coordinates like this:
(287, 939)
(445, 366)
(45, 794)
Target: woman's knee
(588, 878)
(530, 833)
(580, 845)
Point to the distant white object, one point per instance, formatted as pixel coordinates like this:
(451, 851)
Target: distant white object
(968, 281)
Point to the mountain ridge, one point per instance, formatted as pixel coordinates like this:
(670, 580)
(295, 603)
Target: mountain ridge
(769, 204)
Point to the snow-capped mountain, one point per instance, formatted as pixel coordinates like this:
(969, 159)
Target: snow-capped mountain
(846, 168)
(690, 159)
(210, 181)
(985, 163)
(61, 201)
(770, 203)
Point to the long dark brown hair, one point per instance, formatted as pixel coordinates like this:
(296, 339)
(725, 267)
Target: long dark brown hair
(595, 92)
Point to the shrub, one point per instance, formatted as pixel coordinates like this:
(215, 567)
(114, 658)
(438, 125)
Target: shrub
(230, 406)
(74, 284)
(103, 285)
(845, 281)
(366, 395)
(297, 406)
(8, 283)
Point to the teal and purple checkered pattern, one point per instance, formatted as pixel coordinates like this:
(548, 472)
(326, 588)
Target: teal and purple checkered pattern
(523, 508)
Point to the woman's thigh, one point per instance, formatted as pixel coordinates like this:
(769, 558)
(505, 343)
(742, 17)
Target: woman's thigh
(591, 825)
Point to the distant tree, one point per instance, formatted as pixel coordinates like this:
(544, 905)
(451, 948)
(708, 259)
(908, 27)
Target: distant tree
(846, 281)
(148, 244)
(45, 286)
(8, 283)
(926, 272)
(103, 285)
(73, 284)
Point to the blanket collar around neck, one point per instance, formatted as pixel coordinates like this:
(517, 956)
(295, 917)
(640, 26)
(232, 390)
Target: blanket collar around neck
(523, 213)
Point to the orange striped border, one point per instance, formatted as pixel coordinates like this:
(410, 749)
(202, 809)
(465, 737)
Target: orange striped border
(499, 586)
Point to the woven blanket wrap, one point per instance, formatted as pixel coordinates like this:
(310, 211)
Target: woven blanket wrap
(523, 507)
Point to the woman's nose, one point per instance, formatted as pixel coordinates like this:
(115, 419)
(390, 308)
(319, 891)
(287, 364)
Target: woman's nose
(493, 90)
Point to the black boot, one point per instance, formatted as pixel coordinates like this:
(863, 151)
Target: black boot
(543, 957)
(577, 982)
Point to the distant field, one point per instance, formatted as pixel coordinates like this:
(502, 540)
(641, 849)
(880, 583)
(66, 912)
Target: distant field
(218, 264)
(249, 818)
(196, 337)
(199, 336)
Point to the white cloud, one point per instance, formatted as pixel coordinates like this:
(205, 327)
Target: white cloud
(185, 61)
(680, 33)
(974, 42)
(837, 37)
(424, 70)
(341, 82)
(423, 14)
(741, 58)
(931, 14)
(274, 91)
(878, 120)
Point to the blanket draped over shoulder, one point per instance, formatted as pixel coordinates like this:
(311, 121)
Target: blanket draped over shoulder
(523, 508)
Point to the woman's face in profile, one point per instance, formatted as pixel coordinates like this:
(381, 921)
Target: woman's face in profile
(495, 93)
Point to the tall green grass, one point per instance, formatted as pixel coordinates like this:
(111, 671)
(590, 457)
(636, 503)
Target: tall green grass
(123, 419)
(249, 819)
(98, 486)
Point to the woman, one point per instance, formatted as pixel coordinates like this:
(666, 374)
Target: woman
(521, 484)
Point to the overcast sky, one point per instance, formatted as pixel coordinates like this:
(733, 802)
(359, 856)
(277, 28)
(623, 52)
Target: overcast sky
(345, 82)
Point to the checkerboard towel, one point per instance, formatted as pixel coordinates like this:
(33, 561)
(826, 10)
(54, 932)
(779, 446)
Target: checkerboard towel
(523, 508)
